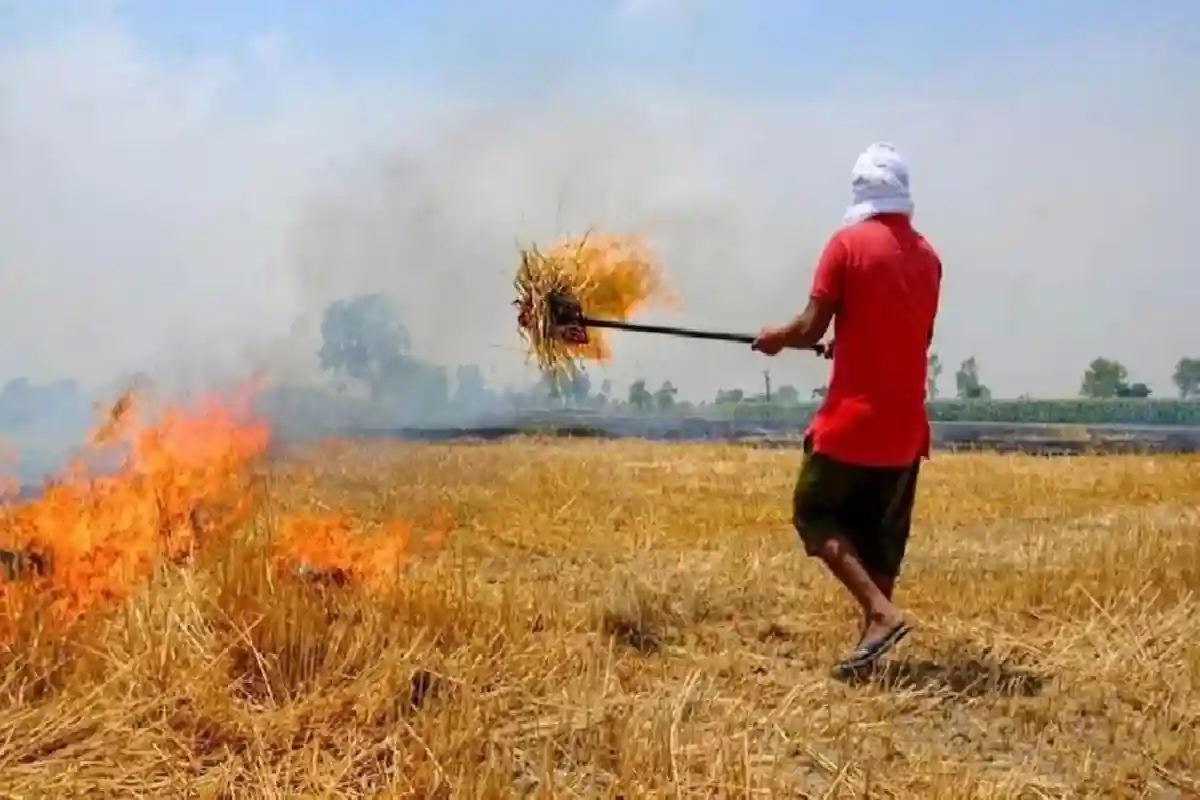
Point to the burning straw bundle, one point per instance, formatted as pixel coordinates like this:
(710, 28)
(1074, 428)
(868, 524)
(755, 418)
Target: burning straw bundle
(608, 277)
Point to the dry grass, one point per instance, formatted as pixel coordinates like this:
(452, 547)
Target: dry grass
(637, 620)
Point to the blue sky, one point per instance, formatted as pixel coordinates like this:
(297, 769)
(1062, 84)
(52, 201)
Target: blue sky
(753, 44)
(1046, 140)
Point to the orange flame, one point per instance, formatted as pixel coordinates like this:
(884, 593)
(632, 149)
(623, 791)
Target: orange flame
(185, 483)
(613, 277)
(185, 477)
(335, 548)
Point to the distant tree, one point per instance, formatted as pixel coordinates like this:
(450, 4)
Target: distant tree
(431, 389)
(1137, 390)
(933, 372)
(470, 388)
(412, 385)
(578, 387)
(967, 384)
(515, 399)
(553, 384)
(362, 339)
(664, 398)
(1187, 378)
(787, 395)
(604, 396)
(1103, 379)
(820, 392)
(639, 397)
(730, 396)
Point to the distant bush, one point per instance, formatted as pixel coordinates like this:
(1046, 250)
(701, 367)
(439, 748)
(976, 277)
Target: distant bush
(1121, 411)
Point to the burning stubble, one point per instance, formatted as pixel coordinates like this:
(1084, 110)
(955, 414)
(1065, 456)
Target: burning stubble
(187, 481)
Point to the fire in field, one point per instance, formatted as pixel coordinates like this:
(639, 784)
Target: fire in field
(579, 618)
(187, 479)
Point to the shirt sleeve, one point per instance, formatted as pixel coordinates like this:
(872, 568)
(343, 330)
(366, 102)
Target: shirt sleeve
(831, 272)
(937, 299)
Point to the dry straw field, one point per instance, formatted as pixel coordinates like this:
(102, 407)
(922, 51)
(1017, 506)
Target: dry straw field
(556, 618)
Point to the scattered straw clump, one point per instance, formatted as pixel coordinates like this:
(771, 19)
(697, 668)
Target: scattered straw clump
(610, 277)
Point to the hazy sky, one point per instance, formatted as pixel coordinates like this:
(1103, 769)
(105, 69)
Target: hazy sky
(180, 182)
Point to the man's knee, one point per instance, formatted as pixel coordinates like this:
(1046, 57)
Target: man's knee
(818, 533)
(829, 540)
(834, 546)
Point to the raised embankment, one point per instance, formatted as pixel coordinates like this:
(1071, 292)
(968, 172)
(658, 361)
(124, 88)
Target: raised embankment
(1033, 438)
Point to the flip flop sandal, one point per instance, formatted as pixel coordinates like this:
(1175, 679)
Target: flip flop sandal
(868, 654)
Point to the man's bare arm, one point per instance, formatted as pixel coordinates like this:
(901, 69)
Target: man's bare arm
(807, 329)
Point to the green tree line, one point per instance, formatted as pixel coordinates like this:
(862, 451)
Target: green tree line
(364, 344)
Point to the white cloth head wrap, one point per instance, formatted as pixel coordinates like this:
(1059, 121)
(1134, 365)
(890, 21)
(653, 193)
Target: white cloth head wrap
(880, 184)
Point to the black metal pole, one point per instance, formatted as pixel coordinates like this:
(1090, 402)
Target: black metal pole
(667, 330)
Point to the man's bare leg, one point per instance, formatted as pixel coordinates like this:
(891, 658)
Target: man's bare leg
(887, 587)
(886, 583)
(880, 614)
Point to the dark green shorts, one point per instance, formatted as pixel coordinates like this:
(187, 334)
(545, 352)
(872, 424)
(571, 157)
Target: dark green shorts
(870, 506)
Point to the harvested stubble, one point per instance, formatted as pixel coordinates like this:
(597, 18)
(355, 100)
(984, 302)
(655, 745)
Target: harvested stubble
(636, 619)
(611, 277)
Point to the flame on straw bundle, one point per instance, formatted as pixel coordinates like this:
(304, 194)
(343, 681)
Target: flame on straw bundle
(610, 277)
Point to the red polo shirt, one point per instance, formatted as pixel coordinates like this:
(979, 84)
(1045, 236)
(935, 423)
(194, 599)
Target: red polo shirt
(884, 280)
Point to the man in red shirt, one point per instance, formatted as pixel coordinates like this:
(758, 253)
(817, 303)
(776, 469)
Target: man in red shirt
(878, 281)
